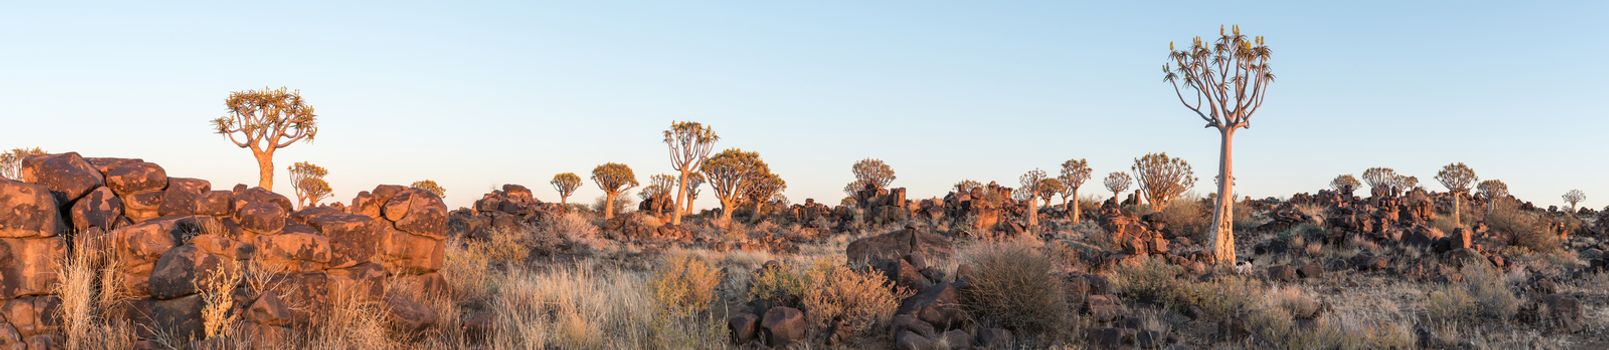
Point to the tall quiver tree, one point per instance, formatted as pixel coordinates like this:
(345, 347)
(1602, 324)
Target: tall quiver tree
(613, 178)
(690, 144)
(1049, 188)
(265, 121)
(1457, 177)
(1345, 184)
(307, 179)
(1073, 174)
(1231, 74)
(1117, 182)
(732, 173)
(565, 184)
(1574, 197)
(1031, 182)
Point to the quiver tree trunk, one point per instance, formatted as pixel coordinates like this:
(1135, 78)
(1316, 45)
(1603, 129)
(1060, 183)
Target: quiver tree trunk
(265, 169)
(609, 205)
(681, 195)
(1223, 217)
(1072, 206)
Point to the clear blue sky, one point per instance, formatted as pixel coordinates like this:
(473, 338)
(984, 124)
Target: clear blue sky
(478, 94)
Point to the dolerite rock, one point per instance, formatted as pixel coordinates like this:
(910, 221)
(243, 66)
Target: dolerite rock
(418, 212)
(938, 305)
(264, 218)
(369, 203)
(1282, 273)
(743, 328)
(995, 339)
(897, 244)
(354, 239)
(29, 266)
(138, 247)
(1103, 308)
(907, 340)
(214, 203)
(365, 282)
(135, 177)
(241, 197)
(32, 316)
(28, 210)
(177, 272)
(270, 310)
(180, 317)
(67, 175)
(100, 208)
(954, 339)
(141, 207)
(909, 323)
(1563, 312)
(181, 195)
(408, 315)
(409, 253)
(294, 252)
(783, 325)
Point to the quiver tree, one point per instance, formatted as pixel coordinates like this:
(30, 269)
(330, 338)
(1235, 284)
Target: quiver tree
(565, 184)
(1031, 183)
(732, 173)
(431, 186)
(1162, 179)
(690, 144)
(1073, 174)
(307, 179)
(966, 186)
(11, 161)
(1117, 182)
(613, 178)
(1457, 177)
(694, 182)
(1406, 183)
(1344, 184)
(1574, 197)
(766, 188)
(1491, 190)
(265, 121)
(657, 194)
(870, 171)
(1382, 181)
(1049, 188)
(1229, 78)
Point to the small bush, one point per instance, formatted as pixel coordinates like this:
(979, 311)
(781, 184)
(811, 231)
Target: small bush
(778, 283)
(685, 284)
(1529, 230)
(1154, 282)
(1481, 295)
(858, 300)
(1189, 216)
(1015, 286)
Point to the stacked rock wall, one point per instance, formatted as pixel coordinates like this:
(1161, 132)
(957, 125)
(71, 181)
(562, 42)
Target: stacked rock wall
(162, 234)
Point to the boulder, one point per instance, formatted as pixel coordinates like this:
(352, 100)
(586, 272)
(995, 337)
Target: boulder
(938, 305)
(270, 310)
(241, 196)
(293, 252)
(28, 210)
(1563, 312)
(135, 177)
(897, 244)
(365, 282)
(100, 208)
(409, 253)
(67, 175)
(31, 316)
(180, 317)
(177, 272)
(783, 325)
(369, 203)
(407, 314)
(263, 218)
(954, 339)
(354, 239)
(743, 327)
(995, 339)
(418, 212)
(907, 340)
(214, 203)
(179, 199)
(141, 207)
(29, 266)
(1103, 308)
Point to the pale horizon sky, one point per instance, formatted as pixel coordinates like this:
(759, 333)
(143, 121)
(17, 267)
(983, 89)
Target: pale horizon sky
(478, 94)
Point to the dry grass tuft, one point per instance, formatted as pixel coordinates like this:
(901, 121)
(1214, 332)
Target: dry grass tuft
(857, 300)
(1014, 285)
(685, 284)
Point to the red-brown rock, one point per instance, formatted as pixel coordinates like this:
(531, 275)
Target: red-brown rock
(28, 210)
(135, 177)
(67, 175)
(100, 208)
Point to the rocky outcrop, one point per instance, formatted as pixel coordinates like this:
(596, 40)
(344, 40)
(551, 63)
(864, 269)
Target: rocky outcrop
(163, 234)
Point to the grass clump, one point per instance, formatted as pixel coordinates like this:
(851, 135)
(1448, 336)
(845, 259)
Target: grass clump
(685, 284)
(857, 300)
(1015, 286)
(1482, 295)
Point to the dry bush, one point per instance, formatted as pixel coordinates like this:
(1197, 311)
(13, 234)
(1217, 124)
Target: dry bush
(217, 289)
(778, 283)
(468, 272)
(506, 245)
(350, 322)
(1014, 285)
(685, 284)
(576, 228)
(1190, 216)
(586, 308)
(858, 300)
(87, 288)
(1529, 230)
(1482, 295)
(1153, 282)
